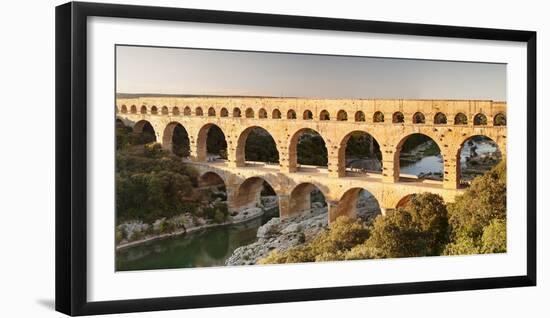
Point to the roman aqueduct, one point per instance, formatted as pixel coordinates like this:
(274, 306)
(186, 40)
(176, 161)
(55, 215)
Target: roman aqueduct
(450, 123)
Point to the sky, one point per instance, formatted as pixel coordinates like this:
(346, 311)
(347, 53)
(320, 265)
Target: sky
(155, 70)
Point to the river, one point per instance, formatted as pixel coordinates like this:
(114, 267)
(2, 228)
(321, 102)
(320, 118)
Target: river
(434, 164)
(209, 247)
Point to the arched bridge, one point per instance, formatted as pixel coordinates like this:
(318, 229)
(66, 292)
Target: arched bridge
(450, 123)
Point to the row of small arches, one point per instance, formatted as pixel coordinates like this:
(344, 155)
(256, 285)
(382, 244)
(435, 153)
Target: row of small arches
(378, 117)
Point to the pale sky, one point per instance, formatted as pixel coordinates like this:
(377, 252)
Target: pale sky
(214, 72)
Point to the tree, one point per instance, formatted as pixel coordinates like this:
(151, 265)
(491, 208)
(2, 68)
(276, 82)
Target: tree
(417, 229)
(260, 146)
(483, 204)
(430, 213)
(311, 149)
(493, 239)
(150, 183)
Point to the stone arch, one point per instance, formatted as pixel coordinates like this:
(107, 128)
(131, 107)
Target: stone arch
(175, 139)
(145, 129)
(164, 110)
(432, 152)
(342, 115)
(242, 141)
(211, 112)
(187, 111)
(301, 197)
(461, 119)
(123, 109)
(224, 112)
(398, 117)
(262, 113)
(154, 110)
(374, 152)
(291, 114)
(198, 111)
(249, 113)
(499, 119)
(359, 116)
(308, 115)
(203, 144)
(480, 119)
(480, 160)
(276, 114)
(250, 190)
(404, 200)
(351, 204)
(293, 148)
(324, 115)
(143, 109)
(133, 109)
(211, 179)
(378, 117)
(419, 118)
(236, 112)
(175, 111)
(440, 119)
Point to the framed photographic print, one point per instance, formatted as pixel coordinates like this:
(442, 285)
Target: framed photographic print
(210, 158)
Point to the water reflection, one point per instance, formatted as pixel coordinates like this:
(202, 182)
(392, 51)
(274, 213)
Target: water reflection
(210, 247)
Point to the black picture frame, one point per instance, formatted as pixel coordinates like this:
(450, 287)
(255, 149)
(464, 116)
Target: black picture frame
(71, 157)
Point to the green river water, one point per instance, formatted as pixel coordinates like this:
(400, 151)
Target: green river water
(209, 247)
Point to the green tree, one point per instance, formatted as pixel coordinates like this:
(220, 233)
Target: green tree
(311, 149)
(483, 203)
(260, 146)
(150, 183)
(397, 235)
(493, 239)
(419, 228)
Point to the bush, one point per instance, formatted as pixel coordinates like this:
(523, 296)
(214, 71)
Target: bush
(418, 229)
(493, 239)
(150, 183)
(478, 217)
(219, 216)
(329, 245)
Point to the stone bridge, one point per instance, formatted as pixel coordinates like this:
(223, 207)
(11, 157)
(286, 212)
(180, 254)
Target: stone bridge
(450, 123)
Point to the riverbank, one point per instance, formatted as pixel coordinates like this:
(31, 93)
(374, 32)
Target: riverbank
(237, 217)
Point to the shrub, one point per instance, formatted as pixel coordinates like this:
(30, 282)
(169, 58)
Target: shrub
(329, 245)
(478, 217)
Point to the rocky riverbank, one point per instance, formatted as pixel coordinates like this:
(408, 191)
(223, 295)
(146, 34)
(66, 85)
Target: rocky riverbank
(281, 235)
(136, 232)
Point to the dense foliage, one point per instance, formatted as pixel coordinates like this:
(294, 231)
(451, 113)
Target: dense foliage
(215, 142)
(424, 226)
(260, 146)
(478, 217)
(359, 146)
(311, 149)
(152, 184)
(180, 142)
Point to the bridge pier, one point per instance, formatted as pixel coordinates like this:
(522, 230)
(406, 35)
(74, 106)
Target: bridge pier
(284, 206)
(336, 209)
(451, 170)
(335, 169)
